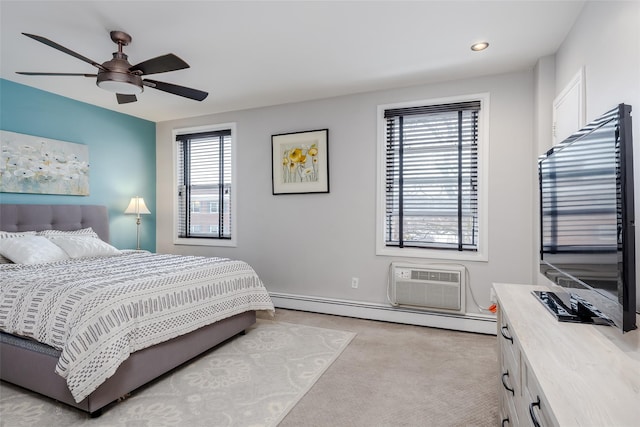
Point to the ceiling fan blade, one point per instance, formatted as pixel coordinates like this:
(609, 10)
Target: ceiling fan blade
(160, 64)
(125, 99)
(195, 94)
(28, 73)
(65, 50)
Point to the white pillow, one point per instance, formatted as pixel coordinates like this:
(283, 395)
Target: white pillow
(78, 246)
(31, 250)
(82, 232)
(9, 235)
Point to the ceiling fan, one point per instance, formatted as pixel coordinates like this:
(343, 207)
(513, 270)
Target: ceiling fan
(119, 76)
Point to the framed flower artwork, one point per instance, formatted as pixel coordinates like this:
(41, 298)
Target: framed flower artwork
(300, 162)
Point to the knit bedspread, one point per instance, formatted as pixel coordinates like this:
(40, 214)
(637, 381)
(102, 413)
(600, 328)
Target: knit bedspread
(98, 311)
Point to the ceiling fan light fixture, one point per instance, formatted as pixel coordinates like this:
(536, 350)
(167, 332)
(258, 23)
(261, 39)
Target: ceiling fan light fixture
(477, 47)
(125, 84)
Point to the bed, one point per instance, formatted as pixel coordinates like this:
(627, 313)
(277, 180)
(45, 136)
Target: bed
(120, 348)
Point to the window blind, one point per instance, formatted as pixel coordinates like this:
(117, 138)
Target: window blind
(432, 176)
(204, 180)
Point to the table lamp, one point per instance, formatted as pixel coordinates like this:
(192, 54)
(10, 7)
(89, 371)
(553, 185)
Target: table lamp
(137, 207)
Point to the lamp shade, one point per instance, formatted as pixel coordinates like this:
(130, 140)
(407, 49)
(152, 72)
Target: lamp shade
(137, 206)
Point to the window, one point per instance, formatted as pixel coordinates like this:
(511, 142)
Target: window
(430, 180)
(205, 194)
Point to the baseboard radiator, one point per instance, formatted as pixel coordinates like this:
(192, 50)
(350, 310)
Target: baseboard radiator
(432, 287)
(469, 322)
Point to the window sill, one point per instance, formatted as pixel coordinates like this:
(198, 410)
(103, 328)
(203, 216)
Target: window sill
(432, 254)
(205, 242)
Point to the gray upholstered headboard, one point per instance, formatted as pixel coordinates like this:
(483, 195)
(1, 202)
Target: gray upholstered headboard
(17, 217)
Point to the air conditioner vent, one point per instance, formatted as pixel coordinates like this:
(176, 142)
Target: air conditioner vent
(438, 276)
(437, 287)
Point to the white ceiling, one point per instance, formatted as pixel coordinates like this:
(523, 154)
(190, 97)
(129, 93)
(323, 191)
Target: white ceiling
(256, 53)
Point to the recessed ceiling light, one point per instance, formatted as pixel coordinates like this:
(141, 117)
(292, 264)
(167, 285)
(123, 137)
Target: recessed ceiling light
(476, 47)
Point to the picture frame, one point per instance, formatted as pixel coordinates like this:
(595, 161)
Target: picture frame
(38, 165)
(300, 162)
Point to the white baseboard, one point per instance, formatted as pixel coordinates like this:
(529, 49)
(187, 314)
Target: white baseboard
(479, 323)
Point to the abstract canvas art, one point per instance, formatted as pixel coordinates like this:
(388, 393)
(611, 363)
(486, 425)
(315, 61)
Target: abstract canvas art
(33, 164)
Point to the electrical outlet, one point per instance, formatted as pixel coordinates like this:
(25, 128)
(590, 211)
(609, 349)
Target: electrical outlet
(354, 282)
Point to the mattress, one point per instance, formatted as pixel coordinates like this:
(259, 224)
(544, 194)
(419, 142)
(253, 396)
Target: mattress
(27, 344)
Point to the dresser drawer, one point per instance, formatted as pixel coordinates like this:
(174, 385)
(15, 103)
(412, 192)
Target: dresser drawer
(539, 412)
(510, 374)
(508, 414)
(507, 340)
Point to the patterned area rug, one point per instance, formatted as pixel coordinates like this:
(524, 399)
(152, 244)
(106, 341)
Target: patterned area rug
(252, 380)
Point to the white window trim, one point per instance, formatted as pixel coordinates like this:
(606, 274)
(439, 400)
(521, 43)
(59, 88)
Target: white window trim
(482, 253)
(233, 242)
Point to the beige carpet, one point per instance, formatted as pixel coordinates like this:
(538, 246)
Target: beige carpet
(252, 380)
(395, 375)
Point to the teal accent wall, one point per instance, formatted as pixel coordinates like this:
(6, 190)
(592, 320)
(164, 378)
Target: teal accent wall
(122, 155)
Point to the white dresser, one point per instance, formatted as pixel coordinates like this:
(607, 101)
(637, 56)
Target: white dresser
(563, 374)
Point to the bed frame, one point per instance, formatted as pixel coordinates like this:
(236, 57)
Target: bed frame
(32, 365)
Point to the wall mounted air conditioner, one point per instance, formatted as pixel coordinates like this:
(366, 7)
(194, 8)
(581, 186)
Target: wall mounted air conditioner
(438, 287)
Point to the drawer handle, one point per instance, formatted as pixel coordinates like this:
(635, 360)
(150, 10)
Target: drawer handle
(506, 420)
(503, 331)
(504, 384)
(532, 413)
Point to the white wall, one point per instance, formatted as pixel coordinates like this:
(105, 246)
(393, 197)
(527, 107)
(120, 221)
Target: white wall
(605, 40)
(313, 244)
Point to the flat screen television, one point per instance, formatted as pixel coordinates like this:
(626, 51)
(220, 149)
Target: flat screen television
(587, 243)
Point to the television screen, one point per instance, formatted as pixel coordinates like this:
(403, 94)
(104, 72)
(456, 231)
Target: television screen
(586, 223)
